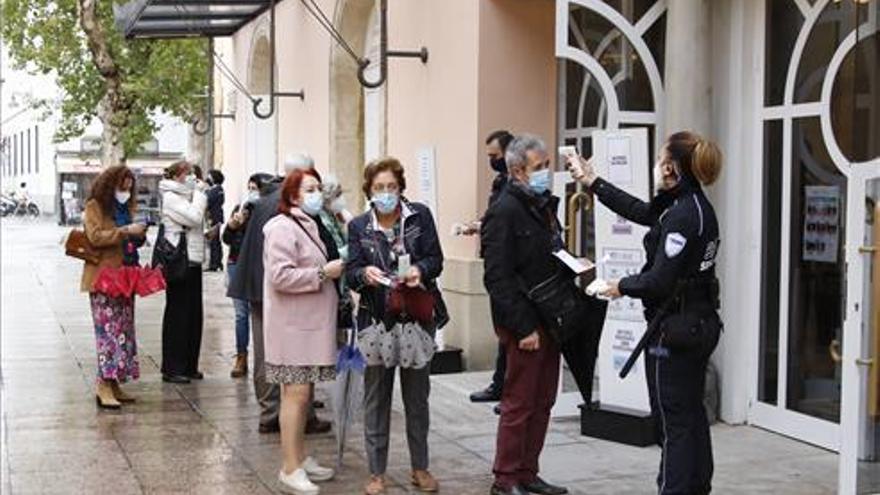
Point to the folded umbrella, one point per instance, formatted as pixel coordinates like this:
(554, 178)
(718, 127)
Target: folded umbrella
(348, 391)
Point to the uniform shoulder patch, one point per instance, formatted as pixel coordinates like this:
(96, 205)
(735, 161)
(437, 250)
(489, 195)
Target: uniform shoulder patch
(675, 243)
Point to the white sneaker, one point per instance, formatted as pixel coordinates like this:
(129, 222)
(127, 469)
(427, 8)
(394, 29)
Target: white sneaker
(317, 472)
(297, 483)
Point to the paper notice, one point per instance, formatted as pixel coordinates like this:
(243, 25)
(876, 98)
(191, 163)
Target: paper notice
(619, 160)
(577, 265)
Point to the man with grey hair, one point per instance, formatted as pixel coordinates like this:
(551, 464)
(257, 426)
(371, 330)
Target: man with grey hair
(298, 161)
(519, 235)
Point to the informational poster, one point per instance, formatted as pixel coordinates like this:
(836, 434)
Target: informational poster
(427, 177)
(622, 158)
(821, 223)
(619, 159)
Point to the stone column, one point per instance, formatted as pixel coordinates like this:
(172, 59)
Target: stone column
(688, 75)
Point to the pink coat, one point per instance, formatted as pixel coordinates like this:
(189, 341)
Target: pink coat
(299, 311)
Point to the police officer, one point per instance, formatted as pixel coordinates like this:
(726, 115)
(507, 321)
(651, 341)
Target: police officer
(677, 286)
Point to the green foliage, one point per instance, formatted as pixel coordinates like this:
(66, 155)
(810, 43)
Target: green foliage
(44, 36)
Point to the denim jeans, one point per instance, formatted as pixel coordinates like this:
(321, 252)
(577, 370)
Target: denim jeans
(242, 318)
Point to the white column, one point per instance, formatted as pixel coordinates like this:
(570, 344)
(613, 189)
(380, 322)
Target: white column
(688, 66)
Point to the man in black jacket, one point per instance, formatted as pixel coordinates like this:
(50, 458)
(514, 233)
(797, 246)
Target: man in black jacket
(496, 146)
(519, 235)
(216, 198)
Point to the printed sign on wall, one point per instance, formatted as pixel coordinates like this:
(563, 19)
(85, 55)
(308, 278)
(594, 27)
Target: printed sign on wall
(821, 223)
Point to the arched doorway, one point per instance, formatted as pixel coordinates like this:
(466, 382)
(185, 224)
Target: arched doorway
(261, 144)
(357, 116)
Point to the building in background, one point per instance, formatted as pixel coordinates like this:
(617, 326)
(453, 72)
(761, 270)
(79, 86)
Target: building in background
(789, 88)
(58, 176)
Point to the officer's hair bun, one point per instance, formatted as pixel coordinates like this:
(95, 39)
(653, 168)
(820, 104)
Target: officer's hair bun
(706, 161)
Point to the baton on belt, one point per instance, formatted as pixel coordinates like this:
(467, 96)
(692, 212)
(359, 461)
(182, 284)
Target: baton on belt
(653, 328)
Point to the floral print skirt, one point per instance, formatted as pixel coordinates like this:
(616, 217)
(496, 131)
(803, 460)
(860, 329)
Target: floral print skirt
(299, 375)
(114, 337)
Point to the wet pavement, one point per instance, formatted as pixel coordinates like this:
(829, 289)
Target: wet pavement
(202, 437)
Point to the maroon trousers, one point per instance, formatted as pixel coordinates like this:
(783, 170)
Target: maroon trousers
(529, 394)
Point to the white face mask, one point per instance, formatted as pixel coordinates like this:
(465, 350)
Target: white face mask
(190, 180)
(658, 178)
(252, 196)
(338, 205)
(312, 202)
(123, 196)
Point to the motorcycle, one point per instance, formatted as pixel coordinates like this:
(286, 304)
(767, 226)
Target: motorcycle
(7, 205)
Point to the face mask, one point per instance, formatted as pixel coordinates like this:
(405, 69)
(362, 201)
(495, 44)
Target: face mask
(540, 181)
(658, 178)
(122, 197)
(252, 196)
(337, 205)
(386, 202)
(498, 164)
(190, 180)
(312, 203)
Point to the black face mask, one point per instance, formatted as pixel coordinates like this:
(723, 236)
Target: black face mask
(499, 165)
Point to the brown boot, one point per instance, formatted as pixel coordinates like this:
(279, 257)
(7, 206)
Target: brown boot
(239, 369)
(375, 485)
(104, 396)
(120, 395)
(423, 481)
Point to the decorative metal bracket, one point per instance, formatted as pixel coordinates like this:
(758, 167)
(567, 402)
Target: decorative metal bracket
(385, 53)
(208, 123)
(272, 93)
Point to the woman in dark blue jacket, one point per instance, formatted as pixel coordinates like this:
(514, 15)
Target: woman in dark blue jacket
(394, 249)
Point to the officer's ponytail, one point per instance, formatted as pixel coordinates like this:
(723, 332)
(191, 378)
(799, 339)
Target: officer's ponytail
(696, 156)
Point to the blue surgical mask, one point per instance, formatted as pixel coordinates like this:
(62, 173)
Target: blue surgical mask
(386, 202)
(312, 203)
(539, 181)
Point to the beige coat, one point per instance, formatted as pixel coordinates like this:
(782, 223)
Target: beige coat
(105, 237)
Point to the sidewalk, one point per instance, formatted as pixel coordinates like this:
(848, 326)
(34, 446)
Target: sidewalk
(202, 438)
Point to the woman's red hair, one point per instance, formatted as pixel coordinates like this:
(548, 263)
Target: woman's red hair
(290, 187)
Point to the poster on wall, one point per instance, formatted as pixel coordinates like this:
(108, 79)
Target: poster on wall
(427, 177)
(821, 223)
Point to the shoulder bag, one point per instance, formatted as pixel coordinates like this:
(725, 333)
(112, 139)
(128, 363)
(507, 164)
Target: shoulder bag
(173, 260)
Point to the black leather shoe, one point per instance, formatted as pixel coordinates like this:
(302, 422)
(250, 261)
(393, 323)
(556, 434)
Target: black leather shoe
(318, 404)
(497, 409)
(270, 428)
(198, 375)
(489, 394)
(316, 426)
(514, 490)
(541, 487)
(175, 379)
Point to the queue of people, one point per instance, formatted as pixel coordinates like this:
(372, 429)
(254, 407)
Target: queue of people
(303, 271)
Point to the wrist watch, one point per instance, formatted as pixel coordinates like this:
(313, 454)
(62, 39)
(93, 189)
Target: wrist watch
(322, 275)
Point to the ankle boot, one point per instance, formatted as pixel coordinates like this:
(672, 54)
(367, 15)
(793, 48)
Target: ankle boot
(120, 395)
(104, 396)
(240, 368)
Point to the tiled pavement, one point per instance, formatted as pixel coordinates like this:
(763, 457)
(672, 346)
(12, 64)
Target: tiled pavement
(202, 438)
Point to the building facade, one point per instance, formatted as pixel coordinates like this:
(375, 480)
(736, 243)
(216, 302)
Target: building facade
(790, 89)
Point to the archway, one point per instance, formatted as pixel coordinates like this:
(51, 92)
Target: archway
(354, 115)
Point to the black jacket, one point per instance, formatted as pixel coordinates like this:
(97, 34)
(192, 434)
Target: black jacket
(369, 247)
(233, 238)
(519, 235)
(247, 284)
(498, 185)
(682, 243)
(216, 198)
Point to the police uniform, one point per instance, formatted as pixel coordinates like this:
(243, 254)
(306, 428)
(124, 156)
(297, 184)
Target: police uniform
(678, 282)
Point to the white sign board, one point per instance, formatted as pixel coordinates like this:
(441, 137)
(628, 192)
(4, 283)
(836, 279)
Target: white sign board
(821, 223)
(427, 178)
(621, 157)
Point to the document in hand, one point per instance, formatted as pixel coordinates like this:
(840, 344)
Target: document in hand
(578, 265)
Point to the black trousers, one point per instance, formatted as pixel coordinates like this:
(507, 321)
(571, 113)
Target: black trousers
(500, 368)
(216, 252)
(676, 381)
(182, 324)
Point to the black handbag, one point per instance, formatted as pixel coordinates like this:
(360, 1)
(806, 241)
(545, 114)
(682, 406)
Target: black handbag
(562, 306)
(173, 260)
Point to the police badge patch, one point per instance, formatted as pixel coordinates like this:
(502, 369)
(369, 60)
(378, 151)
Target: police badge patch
(675, 243)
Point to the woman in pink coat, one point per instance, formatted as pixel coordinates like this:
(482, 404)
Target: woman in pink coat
(299, 319)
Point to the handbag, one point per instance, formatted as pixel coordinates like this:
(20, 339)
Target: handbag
(173, 260)
(561, 305)
(411, 302)
(78, 246)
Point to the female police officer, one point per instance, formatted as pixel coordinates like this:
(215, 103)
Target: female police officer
(677, 286)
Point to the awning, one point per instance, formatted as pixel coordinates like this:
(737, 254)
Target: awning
(185, 18)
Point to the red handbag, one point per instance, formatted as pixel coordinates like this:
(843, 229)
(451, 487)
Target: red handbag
(150, 282)
(414, 302)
